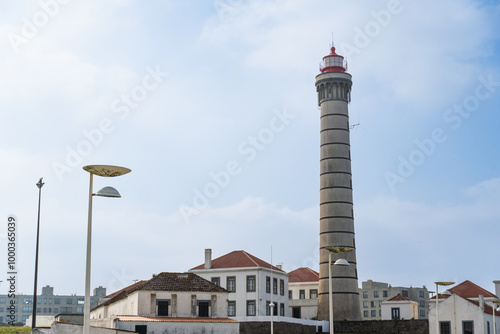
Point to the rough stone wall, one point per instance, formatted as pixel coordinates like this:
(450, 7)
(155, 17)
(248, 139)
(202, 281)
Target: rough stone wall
(279, 328)
(420, 326)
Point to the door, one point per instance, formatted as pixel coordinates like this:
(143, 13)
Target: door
(203, 309)
(141, 329)
(296, 312)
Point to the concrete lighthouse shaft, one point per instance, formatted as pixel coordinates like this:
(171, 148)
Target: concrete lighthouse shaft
(333, 85)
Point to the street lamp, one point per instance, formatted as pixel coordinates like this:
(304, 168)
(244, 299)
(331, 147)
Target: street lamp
(339, 262)
(437, 301)
(495, 302)
(105, 171)
(33, 318)
(271, 308)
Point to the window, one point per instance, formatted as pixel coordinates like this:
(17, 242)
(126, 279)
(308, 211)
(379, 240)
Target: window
(231, 284)
(216, 281)
(25, 317)
(422, 303)
(282, 287)
(385, 293)
(468, 327)
(231, 308)
(64, 310)
(80, 301)
(56, 310)
(282, 309)
(45, 300)
(68, 301)
(50, 300)
(1, 309)
(374, 313)
(268, 284)
(365, 304)
(395, 313)
(365, 294)
(421, 293)
(162, 307)
(373, 304)
(444, 327)
(313, 294)
(366, 314)
(250, 283)
(290, 294)
(488, 327)
(275, 286)
(404, 293)
(27, 309)
(302, 294)
(422, 313)
(28, 300)
(78, 309)
(375, 294)
(2, 300)
(250, 307)
(268, 308)
(57, 300)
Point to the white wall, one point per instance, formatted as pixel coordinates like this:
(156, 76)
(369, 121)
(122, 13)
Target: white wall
(407, 309)
(183, 327)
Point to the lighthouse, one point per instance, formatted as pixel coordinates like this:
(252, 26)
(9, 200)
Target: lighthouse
(333, 85)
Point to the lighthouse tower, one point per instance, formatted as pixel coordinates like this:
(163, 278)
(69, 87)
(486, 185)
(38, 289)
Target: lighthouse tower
(333, 85)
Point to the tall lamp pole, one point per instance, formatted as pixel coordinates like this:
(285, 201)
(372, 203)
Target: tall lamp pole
(437, 301)
(33, 318)
(105, 171)
(339, 262)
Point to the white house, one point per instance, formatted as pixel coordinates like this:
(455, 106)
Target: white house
(467, 310)
(252, 283)
(303, 293)
(182, 302)
(399, 307)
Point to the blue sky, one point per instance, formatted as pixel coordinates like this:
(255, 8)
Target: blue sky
(212, 105)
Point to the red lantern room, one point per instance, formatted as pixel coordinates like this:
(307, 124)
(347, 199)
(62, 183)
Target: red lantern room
(333, 63)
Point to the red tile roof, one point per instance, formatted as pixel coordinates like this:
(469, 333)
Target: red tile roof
(467, 289)
(237, 259)
(398, 297)
(303, 274)
(169, 319)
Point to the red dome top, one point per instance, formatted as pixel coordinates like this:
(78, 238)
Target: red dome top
(333, 63)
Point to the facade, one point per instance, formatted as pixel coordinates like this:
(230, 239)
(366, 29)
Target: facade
(251, 282)
(373, 294)
(468, 310)
(399, 307)
(333, 85)
(169, 302)
(303, 293)
(48, 304)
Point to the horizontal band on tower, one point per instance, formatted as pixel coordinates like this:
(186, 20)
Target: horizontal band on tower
(336, 143)
(328, 129)
(333, 158)
(337, 172)
(335, 187)
(346, 232)
(335, 114)
(339, 277)
(340, 293)
(333, 217)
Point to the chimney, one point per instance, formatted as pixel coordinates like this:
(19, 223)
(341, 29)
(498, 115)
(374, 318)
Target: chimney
(497, 288)
(481, 302)
(208, 258)
(279, 266)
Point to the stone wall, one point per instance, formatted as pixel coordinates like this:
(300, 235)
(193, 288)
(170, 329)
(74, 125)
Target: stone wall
(279, 328)
(420, 326)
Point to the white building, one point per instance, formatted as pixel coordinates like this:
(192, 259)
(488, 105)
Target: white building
(303, 293)
(171, 302)
(251, 282)
(399, 307)
(467, 310)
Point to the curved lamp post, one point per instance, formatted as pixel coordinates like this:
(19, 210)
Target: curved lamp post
(495, 304)
(339, 262)
(437, 301)
(104, 171)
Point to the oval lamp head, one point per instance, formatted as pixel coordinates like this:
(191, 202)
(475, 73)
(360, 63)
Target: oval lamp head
(108, 192)
(341, 262)
(106, 170)
(446, 293)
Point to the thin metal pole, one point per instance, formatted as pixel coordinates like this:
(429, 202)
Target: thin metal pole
(437, 309)
(86, 315)
(33, 320)
(330, 288)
